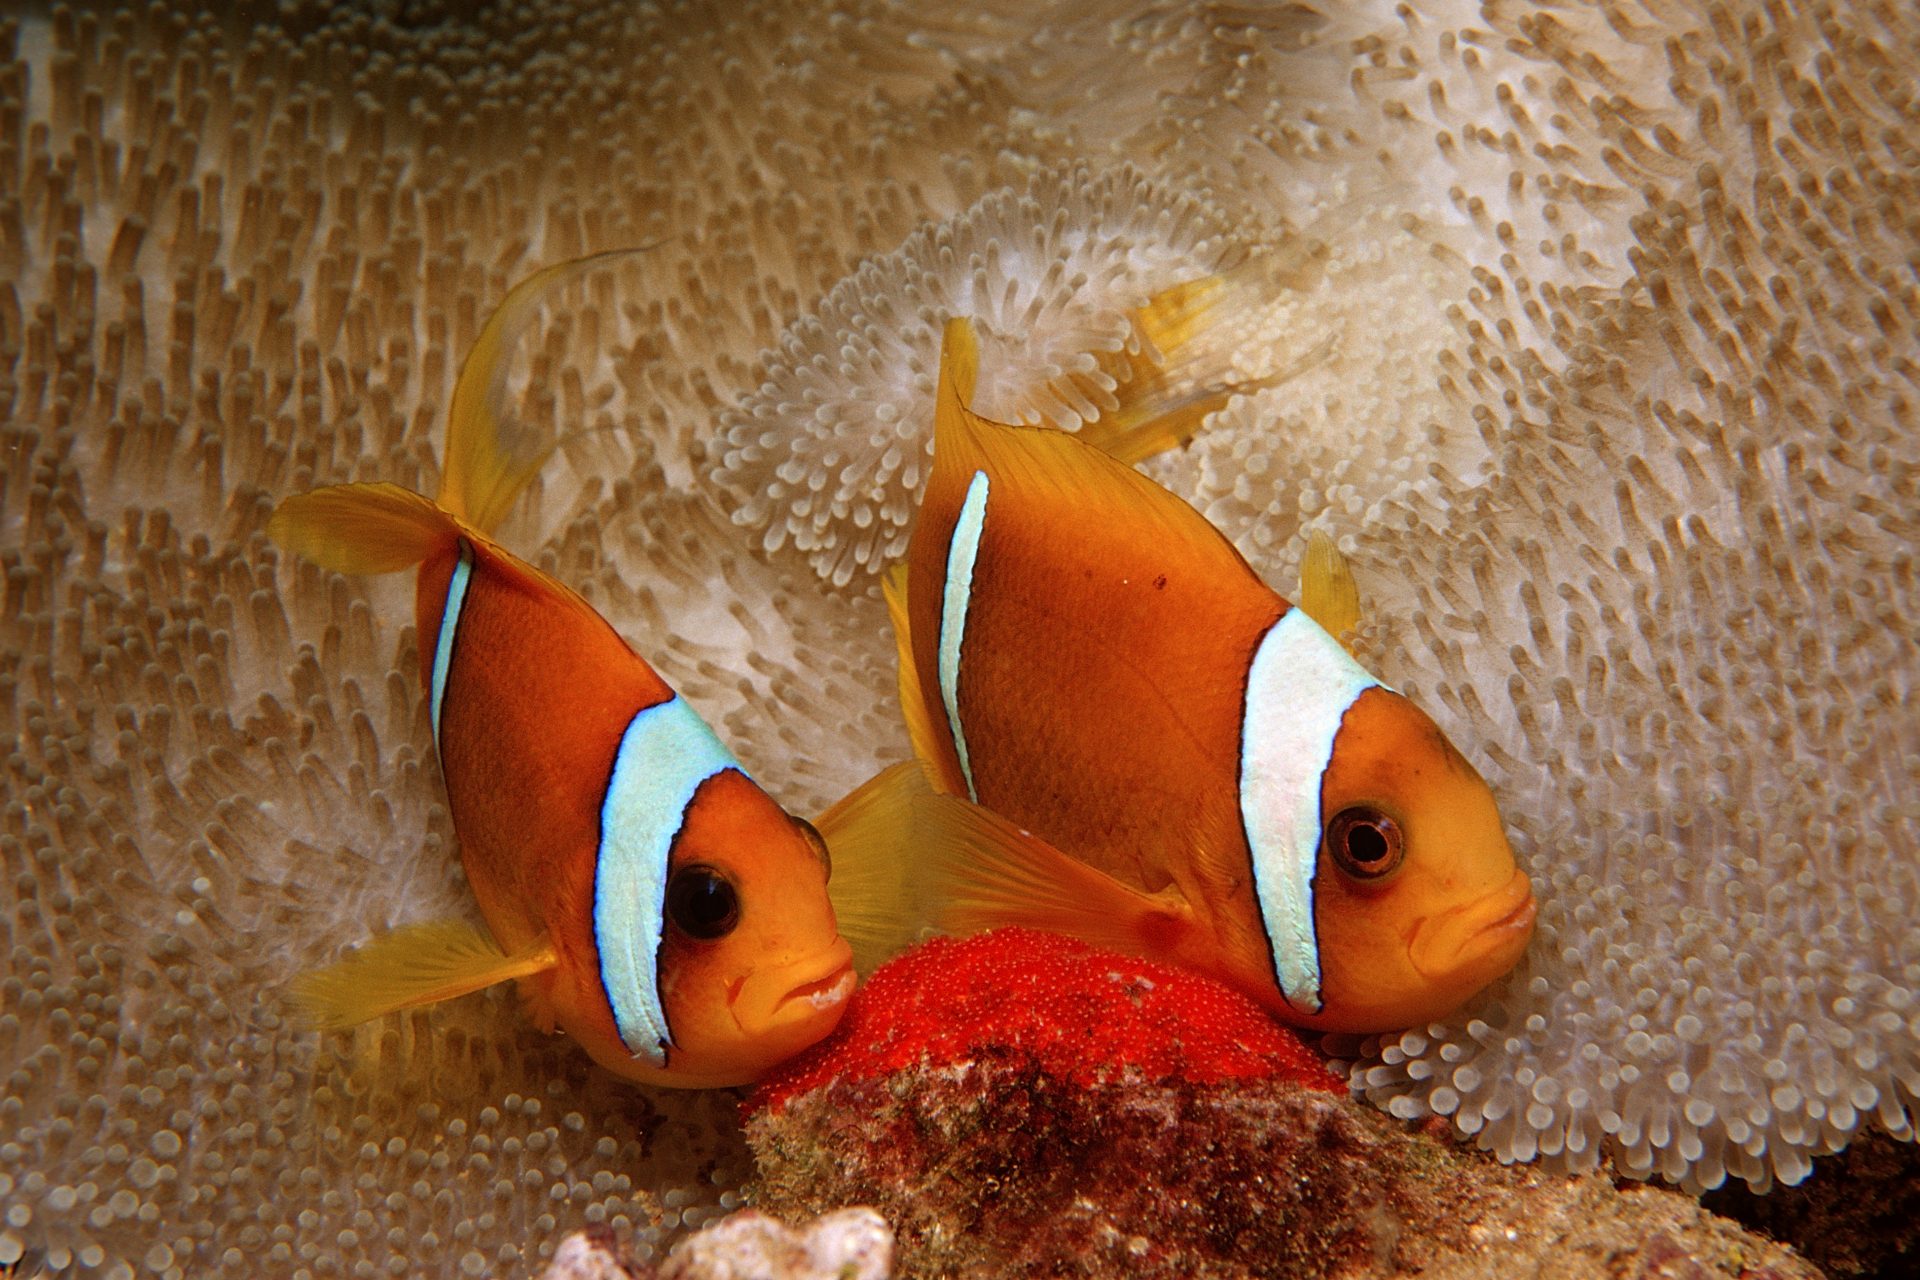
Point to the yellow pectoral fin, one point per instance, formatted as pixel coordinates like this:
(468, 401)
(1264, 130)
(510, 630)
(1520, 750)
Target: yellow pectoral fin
(989, 873)
(877, 887)
(362, 528)
(1328, 592)
(421, 964)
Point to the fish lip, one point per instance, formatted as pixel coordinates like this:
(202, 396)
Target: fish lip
(823, 993)
(1486, 934)
(1519, 919)
(828, 988)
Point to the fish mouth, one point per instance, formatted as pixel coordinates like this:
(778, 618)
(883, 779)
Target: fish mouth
(824, 993)
(1476, 943)
(784, 1008)
(832, 982)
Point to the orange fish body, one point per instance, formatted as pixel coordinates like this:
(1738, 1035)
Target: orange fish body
(652, 900)
(1086, 656)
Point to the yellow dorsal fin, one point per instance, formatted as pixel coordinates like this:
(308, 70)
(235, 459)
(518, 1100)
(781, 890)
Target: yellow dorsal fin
(876, 891)
(985, 872)
(1060, 470)
(420, 964)
(1328, 592)
(362, 528)
(489, 457)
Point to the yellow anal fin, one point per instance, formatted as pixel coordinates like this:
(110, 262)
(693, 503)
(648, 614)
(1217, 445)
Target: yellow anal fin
(489, 457)
(988, 873)
(876, 887)
(362, 528)
(421, 964)
(928, 738)
(1328, 592)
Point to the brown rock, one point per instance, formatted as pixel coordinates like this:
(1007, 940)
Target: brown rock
(991, 1170)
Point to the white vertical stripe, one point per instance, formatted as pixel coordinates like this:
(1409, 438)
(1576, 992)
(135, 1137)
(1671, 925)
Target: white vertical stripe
(1299, 686)
(449, 624)
(956, 595)
(665, 754)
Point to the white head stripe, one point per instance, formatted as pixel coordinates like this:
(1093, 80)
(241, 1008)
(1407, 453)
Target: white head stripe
(956, 595)
(449, 624)
(1299, 686)
(665, 754)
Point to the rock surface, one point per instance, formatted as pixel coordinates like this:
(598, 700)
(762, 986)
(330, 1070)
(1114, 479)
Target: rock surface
(991, 1170)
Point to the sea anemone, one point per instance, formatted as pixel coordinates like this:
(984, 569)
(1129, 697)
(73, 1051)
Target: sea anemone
(1612, 419)
(1613, 314)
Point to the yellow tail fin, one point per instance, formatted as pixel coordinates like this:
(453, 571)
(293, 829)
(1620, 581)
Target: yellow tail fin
(1179, 368)
(490, 457)
(362, 528)
(421, 964)
(1328, 592)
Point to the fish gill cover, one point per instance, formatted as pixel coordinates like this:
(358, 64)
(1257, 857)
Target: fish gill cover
(1604, 321)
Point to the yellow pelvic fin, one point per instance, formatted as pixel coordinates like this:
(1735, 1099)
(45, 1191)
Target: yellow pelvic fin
(490, 457)
(877, 889)
(987, 873)
(1328, 592)
(362, 528)
(420, 964)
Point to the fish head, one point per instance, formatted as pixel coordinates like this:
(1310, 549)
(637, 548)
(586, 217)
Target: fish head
(1418, 903)
(751, 967)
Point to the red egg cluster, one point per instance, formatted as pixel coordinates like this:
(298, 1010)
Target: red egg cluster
(1075, 1012)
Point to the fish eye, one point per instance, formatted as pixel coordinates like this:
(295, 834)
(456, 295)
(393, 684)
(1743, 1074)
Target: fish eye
(1365, 843)
(702, 902)
(818, 841)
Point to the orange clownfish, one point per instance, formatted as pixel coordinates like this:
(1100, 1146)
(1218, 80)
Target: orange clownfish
(1210, 776)
(651, 899)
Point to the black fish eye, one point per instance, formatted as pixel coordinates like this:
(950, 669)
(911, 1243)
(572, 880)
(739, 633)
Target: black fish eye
(702, 903)
(1365, 843)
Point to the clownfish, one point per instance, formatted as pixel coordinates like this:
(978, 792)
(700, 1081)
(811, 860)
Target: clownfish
(651, 900)
(1182, 764)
